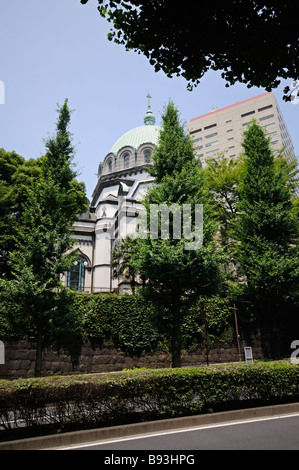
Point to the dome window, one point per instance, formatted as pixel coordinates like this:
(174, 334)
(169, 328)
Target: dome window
(126, 160)
(147, 156)
(110, 165)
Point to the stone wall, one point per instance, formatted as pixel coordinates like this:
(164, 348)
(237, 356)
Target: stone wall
(20, 359)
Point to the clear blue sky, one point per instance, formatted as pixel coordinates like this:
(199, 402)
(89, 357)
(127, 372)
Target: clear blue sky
(56, 49)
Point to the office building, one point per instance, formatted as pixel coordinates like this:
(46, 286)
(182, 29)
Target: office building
(221, 130)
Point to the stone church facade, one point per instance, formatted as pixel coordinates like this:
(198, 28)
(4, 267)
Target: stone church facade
(122, 181)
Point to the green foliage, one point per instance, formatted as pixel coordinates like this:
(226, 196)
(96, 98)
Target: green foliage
(131, 323)
(43, 240)
(125, 320)
(250, 206)
(222, 178)
(265, 199)
(174, 149)
(266, 226)
(220, 323)
(266, 229)
(170, 38)
(17, 176)
(295, 210)
(173, 275)
(74, 402)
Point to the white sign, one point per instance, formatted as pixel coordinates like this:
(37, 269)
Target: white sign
(248, 354)
(2, 352)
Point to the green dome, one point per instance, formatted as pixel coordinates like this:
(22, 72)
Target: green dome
(147, 134)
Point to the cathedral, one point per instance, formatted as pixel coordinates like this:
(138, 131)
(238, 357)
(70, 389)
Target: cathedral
(123, 178)
(113, 213)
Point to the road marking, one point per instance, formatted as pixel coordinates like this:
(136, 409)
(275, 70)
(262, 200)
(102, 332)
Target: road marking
(176, 431)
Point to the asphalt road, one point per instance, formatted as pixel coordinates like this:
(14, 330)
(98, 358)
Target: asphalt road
(273, 433)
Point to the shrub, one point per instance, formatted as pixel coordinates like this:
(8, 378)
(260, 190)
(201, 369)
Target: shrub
(83, 401)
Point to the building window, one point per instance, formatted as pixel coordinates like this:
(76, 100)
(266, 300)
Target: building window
(265, 107)
(194, 132)
(267, 117)
(147, 156)
(126, 160)
(212, 143)
(212, 151)
(211, 135)
(210, 126)
(247, 114)
(269, 125)
(76, 275)
(110, 164)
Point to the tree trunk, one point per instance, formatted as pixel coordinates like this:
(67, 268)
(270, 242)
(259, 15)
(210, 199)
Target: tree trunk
(133, 283)
(176, 341)
(176, 357)
(38, 354)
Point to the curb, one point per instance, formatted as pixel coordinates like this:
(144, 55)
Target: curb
(114, 432)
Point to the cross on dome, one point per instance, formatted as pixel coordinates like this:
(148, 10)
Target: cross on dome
(149, 118)
(149, 99)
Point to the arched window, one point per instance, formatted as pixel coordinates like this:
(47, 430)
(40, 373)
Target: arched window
(147, 156)
(76, 275)
(126, 160)
(110, 164)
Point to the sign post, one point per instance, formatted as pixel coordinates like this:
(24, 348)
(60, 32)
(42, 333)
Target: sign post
(237, 330)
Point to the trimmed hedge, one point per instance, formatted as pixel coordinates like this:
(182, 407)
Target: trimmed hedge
(55, 404)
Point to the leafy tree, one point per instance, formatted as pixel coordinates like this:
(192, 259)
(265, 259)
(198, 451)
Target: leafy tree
(44, 240)
(222, 185)
(222, 178)
(266, 229)
(174, 276)
(174, 150)
(249, 42)
(16, 177)
(296, 215)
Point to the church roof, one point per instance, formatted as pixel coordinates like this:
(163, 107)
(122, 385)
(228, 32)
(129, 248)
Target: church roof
(136, 137)
(147, 134)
